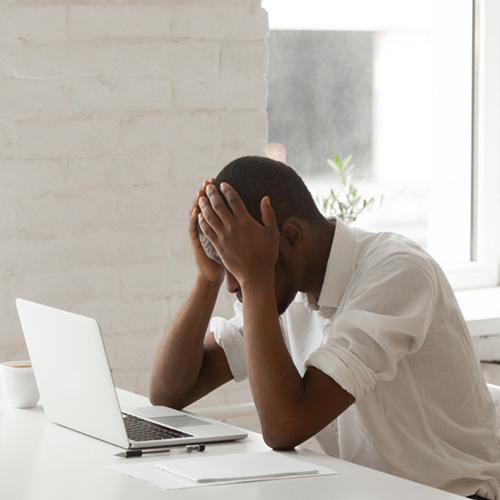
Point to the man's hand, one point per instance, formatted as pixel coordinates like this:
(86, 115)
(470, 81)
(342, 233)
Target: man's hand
(248, 249)
(208, 270)
(189, 363)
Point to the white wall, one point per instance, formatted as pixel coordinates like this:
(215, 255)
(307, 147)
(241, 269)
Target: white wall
(112, 114)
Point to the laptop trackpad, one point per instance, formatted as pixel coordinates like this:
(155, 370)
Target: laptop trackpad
(179, 421)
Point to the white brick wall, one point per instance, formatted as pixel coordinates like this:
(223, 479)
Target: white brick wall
(112, 113)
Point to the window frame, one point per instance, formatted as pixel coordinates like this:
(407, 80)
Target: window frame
(482, 271)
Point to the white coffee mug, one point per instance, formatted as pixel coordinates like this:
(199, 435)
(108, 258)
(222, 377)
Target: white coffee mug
(19, 384)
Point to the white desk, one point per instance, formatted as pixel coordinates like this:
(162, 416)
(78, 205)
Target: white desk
(40, 460)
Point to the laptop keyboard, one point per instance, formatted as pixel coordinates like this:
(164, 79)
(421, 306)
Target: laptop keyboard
(139, 429)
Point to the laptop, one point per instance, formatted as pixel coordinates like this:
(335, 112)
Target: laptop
(77, 389)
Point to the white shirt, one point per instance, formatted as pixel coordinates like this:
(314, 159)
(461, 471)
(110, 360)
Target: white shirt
(387, 328)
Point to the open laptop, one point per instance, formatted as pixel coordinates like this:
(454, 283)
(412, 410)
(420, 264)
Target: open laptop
(77, 389)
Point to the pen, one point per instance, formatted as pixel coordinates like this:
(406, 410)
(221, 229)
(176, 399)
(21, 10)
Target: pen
(139, 453)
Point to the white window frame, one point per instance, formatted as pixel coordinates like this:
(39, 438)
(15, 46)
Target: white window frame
(480, 306)
(482, 271)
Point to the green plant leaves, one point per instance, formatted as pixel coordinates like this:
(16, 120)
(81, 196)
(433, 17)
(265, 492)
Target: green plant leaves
(346, 202)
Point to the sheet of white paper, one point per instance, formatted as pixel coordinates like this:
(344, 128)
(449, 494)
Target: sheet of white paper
(150, 473)
(237, 467)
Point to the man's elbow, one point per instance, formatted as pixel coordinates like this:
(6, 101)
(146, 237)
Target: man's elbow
(155, 392)
(159, 397)
(155, 399)
(281, 440)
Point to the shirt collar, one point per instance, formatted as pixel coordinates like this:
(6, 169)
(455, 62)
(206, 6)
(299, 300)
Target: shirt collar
(339, 268)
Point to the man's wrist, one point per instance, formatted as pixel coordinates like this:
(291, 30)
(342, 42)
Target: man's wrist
(257, 277)
(259, 285)
(209, 285)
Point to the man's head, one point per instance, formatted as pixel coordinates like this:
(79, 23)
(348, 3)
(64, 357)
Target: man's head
(253, 178)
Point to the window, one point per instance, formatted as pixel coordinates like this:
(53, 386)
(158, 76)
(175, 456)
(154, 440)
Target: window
(411, 90)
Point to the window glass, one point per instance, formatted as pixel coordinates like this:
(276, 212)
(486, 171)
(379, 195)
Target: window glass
(391, 86)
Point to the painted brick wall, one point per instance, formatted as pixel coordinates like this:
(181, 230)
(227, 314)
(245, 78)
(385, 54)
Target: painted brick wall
(112, 114)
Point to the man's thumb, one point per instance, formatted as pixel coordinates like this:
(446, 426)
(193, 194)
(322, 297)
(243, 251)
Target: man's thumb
(268, 214)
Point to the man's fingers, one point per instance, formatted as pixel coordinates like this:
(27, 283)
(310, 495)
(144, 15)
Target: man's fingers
(233, 198)
(210, 217)
(193, 214)
(218, 205)
(207, 229)
(268, 213)
(193, 218)
(201, 192)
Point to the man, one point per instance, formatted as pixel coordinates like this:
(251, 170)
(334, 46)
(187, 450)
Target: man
(374, 340)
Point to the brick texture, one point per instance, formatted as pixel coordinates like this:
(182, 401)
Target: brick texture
(112, 114)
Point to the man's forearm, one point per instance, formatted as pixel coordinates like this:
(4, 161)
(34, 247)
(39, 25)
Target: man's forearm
(275, 382)
(291, 408)
(179, 358)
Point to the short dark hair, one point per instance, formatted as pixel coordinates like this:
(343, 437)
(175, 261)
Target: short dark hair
(254, 177)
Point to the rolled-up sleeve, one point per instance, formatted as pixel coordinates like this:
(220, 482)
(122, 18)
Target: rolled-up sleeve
(229, 335)
(381, 320)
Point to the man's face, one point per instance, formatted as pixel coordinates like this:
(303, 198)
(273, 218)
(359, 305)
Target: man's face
(284, 279)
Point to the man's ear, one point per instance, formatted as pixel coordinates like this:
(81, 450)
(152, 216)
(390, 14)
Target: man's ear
(292, 231)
